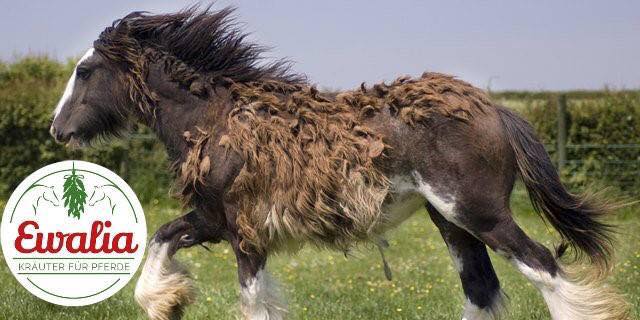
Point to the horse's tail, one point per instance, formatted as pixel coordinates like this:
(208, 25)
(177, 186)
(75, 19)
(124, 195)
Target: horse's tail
(576, 218)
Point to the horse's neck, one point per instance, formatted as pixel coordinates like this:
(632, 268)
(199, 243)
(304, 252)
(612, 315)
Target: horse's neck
(176, 112)
(171, 122)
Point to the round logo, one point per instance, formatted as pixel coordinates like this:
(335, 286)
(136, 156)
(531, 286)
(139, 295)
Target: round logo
(73, 233)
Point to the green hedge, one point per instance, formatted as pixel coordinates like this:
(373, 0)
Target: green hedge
(609, 118)
(30, 88)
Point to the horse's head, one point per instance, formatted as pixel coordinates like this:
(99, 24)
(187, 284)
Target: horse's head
(113, 81)
(94, 103)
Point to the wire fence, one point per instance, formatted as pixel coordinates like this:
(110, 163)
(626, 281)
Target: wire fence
(620, 167)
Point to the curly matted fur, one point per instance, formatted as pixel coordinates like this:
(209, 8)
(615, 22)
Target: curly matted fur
(311, 169)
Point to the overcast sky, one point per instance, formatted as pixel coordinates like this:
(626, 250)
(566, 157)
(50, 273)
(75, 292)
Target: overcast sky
(552, 45)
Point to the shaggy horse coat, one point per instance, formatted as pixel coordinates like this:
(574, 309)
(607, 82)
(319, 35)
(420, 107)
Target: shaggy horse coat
(267, 162)
(311, 167)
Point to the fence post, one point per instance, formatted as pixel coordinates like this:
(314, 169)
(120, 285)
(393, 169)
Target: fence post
(562, 131)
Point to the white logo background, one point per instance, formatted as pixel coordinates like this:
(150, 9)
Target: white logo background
(73, 279)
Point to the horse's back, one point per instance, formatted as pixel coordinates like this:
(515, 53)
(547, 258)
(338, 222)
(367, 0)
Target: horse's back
(449, 151)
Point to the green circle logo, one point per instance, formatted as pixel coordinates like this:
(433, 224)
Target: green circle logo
(73, 233)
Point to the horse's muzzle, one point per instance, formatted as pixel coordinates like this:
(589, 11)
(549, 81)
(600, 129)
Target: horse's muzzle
(61, 136)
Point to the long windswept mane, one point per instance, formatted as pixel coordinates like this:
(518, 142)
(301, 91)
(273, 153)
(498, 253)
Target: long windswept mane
(202, 46)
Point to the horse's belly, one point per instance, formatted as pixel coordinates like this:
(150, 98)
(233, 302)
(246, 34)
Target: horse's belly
(399, 207)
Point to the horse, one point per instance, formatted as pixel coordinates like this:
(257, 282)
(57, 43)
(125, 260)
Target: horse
(268, 163)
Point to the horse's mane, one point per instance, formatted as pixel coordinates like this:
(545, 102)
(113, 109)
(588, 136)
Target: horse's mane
(192, 44)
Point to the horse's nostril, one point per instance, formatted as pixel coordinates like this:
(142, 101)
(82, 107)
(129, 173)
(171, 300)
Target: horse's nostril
(62, 135)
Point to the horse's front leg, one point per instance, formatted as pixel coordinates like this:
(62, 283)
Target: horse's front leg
(260, 297)
(165, 287)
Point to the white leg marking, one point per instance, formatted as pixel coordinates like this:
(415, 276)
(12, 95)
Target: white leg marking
(68, 90)
(261, 300)
(445, 204)
(573, 300)
(553, 289)
(473, 312)
(495, 312)
(164, 286)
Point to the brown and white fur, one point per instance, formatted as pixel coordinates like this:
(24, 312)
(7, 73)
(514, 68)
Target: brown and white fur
(266, 160)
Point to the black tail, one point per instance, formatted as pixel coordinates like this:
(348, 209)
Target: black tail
(576, 218)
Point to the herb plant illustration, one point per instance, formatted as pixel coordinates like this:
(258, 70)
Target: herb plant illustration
(74, 194)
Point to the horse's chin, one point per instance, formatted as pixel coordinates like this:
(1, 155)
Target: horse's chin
(75, 143)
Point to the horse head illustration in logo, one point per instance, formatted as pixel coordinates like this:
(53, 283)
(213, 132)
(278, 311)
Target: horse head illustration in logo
(47, 195)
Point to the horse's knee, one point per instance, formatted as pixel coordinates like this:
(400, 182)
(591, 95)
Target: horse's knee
(186, 231)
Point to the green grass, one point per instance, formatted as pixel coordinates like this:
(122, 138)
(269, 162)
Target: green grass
(325, 285)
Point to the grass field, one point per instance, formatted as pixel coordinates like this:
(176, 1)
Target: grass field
(326, 285)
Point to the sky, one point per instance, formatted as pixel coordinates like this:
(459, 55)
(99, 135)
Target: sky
(501, 45)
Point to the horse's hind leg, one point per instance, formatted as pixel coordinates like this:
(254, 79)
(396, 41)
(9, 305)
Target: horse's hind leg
(484, 299)
(568, 296)
(489, 219)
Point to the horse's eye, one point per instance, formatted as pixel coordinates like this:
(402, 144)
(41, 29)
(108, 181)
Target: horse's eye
(83, 73)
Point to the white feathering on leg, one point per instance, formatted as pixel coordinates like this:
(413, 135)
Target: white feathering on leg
(164, 287)
(261, 299)
(572, 295)
(496, 311)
